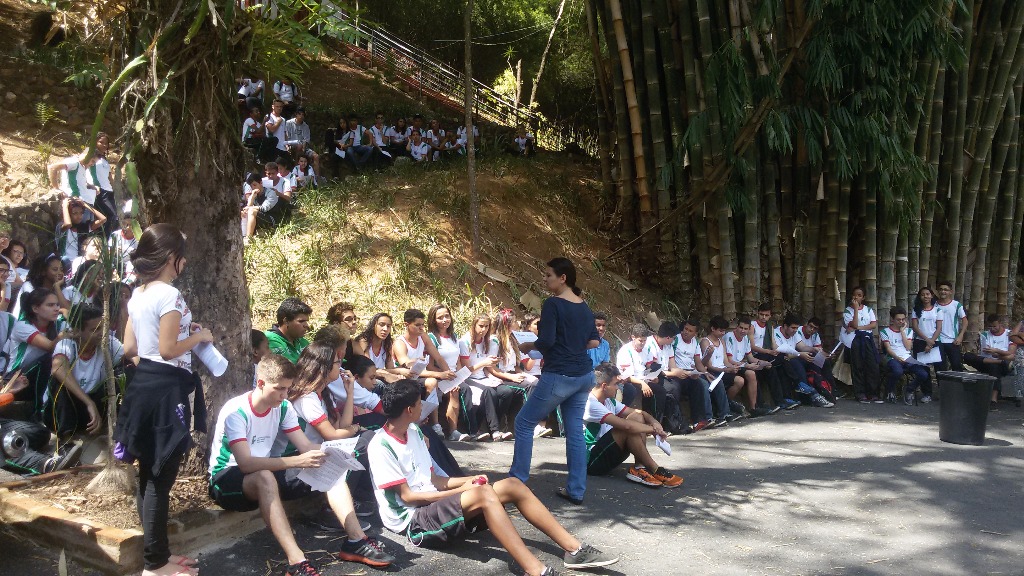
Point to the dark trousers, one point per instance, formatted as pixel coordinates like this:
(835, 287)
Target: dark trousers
(65, 414)
(655, 403)
(952, 357)
(153, 502)
(922, 378)
(26, 440)
(695, 390)
(864, 363)
(994, 369)
(495, 402)
(105, 204)
(770, 381)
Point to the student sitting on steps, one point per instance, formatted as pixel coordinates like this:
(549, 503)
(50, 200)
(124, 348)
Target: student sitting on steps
(244, 474)
(614, 432)
(433, 511)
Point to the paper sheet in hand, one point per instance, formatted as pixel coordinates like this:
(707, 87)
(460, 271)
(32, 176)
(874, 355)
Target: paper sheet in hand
(337, 464)
(417, 367)
(429, 405)
(911, 361)
(524, 337)
(819, 359)
(787, 350)
(663, 444)
(651, 376)
(838, 344)
(716, 381)
(932, 357)
(212, 358)
(447, 386)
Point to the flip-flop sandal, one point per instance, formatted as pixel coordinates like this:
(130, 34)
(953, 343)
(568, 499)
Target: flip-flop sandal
(564, 495)
(182, 561)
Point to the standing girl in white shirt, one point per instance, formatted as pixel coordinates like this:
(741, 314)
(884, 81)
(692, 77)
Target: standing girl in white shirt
(859, 324)
(153, 424)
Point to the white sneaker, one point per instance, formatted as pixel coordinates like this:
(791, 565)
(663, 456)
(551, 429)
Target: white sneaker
(437, 428)
(541, 431)
(457, 436)
(497, 436)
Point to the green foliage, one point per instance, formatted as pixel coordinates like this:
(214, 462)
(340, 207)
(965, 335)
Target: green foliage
(46, 113)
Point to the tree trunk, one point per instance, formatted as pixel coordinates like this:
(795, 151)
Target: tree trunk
(633, 107)
(474, 198)
(956, 172)
(544, 55)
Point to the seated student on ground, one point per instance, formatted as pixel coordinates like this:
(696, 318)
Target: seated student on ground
(302, 175)
(441, 332)
(896, 342)
(15, 255)
(86, 286)
(70, 178)
(286, 337)
(788, 341)
(716, 361)
(256, 136)
(318, 365)
(524, 143)
(418, 149)
(245, 475)
(46, 272)
(823, 379)
(418, 125)
(413, 346)
(355, 143)
(510, 358)
(432, 511)
(603, 351)
(250, 93)
(287, 92)
(377, 341)
(658, 354)
(633, 362)
(926, 320)
(76, 400)
(31, 343)
(461, 134)
(396, 137)
(859, 323)
(772, 380)
(89, 250)
(122, 242)
(74, 227)
(274, 123)
(344, 313)
(434, 136)
(269, 206)
(297, 139)
(260, 349)
(614, 432)
(379, 140)
(738, 347)
(451, 147)
(478, 351)
(995, 352)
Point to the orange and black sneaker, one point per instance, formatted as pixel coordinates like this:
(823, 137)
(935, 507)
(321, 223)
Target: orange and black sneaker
(304, 568)
(668, 479)
(641, 475)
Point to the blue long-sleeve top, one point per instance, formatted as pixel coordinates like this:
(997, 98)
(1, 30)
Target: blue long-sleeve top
(565, 330)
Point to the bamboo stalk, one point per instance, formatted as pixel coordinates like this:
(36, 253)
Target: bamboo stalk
(771, 232)
(956, 150)
(632, 106)
(624, 216)
(604, 104)
(659, 127)
(870, 222)
(751, 238)
(1012, 200)
(842, 245)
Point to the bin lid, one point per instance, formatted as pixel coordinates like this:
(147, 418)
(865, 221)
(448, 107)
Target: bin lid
(965, 376)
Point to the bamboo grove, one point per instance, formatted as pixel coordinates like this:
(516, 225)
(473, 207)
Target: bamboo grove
(789, 150)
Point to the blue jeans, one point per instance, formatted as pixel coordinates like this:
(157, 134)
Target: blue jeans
(555, 391)
(922, 378)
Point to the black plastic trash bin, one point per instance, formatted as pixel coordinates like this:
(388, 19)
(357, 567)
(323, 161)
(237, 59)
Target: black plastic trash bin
(963, 408)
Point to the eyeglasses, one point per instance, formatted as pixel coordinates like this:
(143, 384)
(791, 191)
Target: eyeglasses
(349, 319)
(5, 271)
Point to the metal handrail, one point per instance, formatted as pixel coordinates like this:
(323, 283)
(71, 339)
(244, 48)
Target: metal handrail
(439, 81)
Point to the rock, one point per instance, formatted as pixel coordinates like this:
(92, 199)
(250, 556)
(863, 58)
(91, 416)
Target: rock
(10, 97)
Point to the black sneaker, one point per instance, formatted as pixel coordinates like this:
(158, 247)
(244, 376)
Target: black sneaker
(367, 551)
(735, 407)
(304, 568)
(759, 411)
(365, 509)
(863, 399)
(548, 571)
(588, 557)
(734, 417)
(65, 457)
(328, 521)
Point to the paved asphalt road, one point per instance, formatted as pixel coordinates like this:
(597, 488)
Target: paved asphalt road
(859, 489)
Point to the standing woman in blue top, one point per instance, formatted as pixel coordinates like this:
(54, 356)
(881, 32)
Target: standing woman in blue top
(567, 331)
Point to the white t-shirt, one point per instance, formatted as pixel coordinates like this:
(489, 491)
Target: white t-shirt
(476, 353)
(237, 422)
(311, 411)
(123, 248)
(26, 288)
(780, 339)
(686, 353)
(7, 323)
(717, 357)
(378, 132)
(759, 332)
(19, 346)
(461, 131)
(74, 180)
(447, 348)
(419, 152)
(433, 137)
(927, 320)
(396, 136)
(272, 192)
(250, 126)
(630, 362)
(90, 373)
(594, 415)
(361, 397)
(865, 316)
(654, 353)
(895, 340)
(279, 133)
(736, 348)
(998, 341)
(521, 142)
(814, 341)
(99, 173)
(378, 357)
(249, 88)
(299, 178)
(952, 314)
(393, 463)
(285, 92)
(147, 306)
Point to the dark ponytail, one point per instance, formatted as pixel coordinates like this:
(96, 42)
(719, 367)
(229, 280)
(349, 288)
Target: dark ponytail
(564, 267)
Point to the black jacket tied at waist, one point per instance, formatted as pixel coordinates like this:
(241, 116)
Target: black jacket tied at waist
(153, 422)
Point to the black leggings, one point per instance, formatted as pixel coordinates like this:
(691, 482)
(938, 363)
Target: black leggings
(153, 501)
(864, 363)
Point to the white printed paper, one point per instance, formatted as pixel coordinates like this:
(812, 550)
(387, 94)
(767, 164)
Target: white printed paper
(787, 350)
(819, 359)
(933, 356)
(911, 361)
(211, 357)
(833, 352)
(652, 376)
(663, 444)
(447, 386)
(337, 464)
(417, 367)
(716, 381)
(429, 405)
